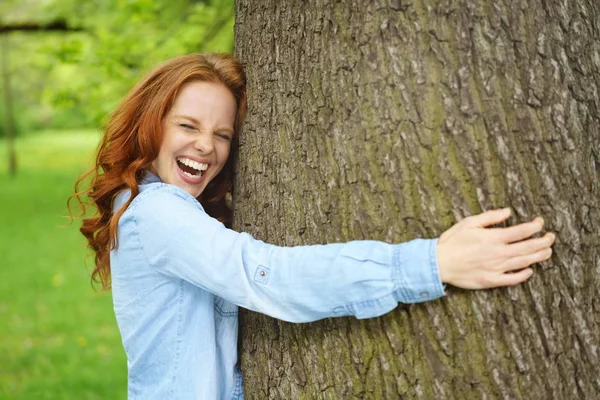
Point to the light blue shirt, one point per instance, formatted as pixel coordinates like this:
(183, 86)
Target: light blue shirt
(178, 277)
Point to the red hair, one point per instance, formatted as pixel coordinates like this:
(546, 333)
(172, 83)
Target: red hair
(132, 141)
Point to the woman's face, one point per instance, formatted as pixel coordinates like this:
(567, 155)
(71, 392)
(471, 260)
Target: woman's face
(197, 134)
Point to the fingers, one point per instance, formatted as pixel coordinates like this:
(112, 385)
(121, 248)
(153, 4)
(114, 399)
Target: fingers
(526, 260)
(520, 232)
(531, 245)
(514, 278)
(473, 255)
(488, 218)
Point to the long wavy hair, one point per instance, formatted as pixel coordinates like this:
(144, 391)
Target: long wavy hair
(132, 141)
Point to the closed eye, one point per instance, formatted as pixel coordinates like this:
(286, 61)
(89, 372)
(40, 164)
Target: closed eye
(188, 127)
(224, 136)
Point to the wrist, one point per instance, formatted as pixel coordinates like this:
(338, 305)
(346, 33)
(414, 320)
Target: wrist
(440, 252)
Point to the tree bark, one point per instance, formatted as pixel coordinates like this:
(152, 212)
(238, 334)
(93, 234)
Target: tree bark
(392, 120)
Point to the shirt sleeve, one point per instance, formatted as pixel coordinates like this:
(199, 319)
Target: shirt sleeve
(298, 284)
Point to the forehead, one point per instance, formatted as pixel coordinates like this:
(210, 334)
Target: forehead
(202, 100)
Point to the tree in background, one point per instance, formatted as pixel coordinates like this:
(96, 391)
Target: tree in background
(7, 111)
(77, 79)
(392, 120)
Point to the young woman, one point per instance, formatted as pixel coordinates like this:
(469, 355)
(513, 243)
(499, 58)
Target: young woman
(178, 273)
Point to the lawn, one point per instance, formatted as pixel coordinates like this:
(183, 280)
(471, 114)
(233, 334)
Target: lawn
(58, 335)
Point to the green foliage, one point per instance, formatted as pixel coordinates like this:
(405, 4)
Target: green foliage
(75, 79)
(59, 336)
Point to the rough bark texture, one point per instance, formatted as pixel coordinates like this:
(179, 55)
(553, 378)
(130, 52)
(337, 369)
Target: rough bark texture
(391, 120)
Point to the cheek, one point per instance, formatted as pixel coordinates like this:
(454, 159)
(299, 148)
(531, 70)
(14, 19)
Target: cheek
(224, 153)
(162, 157)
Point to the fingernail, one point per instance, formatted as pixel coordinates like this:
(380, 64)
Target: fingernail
(541, 221)
(530, 272)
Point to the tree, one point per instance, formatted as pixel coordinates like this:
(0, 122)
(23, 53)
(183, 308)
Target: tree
(129, 37)
(392, 120)
(7, 112)
(76, 79)
(29, 26)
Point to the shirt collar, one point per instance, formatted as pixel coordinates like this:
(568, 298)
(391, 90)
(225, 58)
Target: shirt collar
(149, 177)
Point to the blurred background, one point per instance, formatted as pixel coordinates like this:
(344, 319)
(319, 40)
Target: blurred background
(64, 66)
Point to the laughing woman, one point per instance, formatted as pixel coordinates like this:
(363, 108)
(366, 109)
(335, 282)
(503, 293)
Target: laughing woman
(178, 273)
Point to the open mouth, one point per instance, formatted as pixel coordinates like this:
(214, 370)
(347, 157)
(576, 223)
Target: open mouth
(191, 168)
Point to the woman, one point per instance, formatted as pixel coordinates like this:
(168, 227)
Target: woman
(178, 274)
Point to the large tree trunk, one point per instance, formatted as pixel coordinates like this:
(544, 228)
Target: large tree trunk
(391, 120)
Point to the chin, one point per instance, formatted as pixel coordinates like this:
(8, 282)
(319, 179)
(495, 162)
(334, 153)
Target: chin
(195, 192)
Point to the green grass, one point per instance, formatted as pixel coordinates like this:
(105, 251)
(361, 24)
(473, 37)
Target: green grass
(58, 335)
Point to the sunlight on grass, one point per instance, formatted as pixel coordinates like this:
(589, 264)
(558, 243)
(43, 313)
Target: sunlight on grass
(59, 336)
(54, 150)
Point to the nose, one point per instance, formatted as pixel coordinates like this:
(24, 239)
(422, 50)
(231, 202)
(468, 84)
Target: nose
(204, 142)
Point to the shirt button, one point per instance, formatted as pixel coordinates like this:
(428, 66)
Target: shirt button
(262, 273)
(424, 294)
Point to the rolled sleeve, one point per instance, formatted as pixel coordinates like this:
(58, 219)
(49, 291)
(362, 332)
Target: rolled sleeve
(416, 273)
(298, 284)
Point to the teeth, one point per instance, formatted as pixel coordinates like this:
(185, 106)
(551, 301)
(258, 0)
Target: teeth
(192, 176)
(194, 164)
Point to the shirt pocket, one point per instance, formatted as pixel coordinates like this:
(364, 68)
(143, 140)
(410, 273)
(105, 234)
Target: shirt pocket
(225, 308)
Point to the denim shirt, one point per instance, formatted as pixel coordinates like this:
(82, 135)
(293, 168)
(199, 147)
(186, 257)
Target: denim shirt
(178, 277)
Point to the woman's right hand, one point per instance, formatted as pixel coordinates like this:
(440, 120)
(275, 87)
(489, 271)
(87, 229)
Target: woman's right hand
(473, 256)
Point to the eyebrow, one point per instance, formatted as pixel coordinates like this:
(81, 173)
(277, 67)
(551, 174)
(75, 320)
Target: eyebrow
(195, 121)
